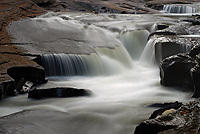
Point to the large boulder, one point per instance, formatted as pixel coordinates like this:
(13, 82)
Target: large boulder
(195, 71)
(175, 71)
(166, 49)
(58, 92)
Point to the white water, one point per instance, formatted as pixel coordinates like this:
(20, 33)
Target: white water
(179, 9)
(118, 98)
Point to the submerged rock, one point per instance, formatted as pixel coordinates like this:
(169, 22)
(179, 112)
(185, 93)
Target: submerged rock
(175, 71)
(58, 92)
(185, 119)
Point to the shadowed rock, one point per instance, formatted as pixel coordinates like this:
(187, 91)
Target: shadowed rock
(183, 120)
(7, 89)
(166, 49)
(175, 71)
(58, 92)
(164, 107)
(28, 72)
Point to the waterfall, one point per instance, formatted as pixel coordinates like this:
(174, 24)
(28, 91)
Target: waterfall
(105, 61)
(180, 9)
(64, 64)
(148, 54)
(159, 48)
(135, 41)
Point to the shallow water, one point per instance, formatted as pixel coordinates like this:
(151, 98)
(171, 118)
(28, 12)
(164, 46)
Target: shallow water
(116, 106)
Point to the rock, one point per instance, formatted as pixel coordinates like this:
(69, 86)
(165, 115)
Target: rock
(194, 51)
(25, 86)
(161, 33)
(183, 120)
(166, 49)
(195, 72)
(36, 74)
(58, 92)
(166, 106)
(153, 126)
(162, 26)
(186, 119)
(175, 71)
(171, 30)
(44, 1)
(7, 88)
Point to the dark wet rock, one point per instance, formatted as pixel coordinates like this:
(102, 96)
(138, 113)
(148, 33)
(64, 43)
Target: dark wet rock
(175, 71)
(7, 88)
(162, 26)
(24, 86)
(195, 72)
(53, 5)
(185, 119)
(155, 6)
(28, 72)
(166, 49)
(194, 22)
(153, 126)
(161, 33)
(194, 51)
(176, 29)
(164, 106)
(58, 92)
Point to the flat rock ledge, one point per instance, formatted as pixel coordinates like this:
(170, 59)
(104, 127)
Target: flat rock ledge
(185, 120)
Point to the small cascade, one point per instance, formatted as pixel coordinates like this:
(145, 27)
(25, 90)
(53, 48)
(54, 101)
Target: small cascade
(114, 60)
(64, 65)
(135, 41)
(148, 54)
(105, 61)
(175, 8)
(159, 48)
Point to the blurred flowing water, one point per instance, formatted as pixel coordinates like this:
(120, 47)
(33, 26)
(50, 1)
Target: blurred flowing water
(121, 84)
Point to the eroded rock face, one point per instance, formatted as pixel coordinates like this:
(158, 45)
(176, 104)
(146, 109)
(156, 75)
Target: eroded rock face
(185, 119)
(58, 92)
(175, 71)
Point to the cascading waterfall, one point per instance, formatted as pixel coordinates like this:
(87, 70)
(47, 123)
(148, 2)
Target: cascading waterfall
(105, 61)
(135, 41)
(63, 64)
(148, 56)
(180, 9)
